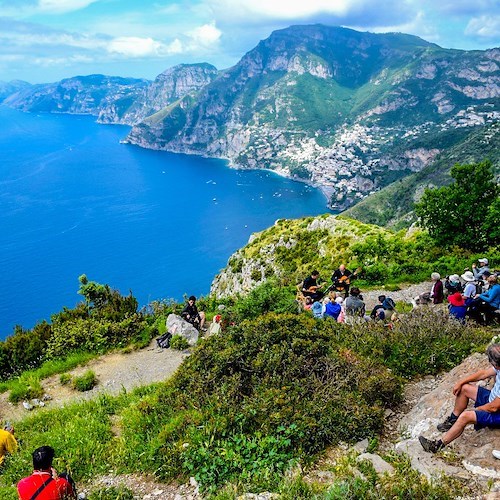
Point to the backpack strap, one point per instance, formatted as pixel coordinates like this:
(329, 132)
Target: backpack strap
(41, 488)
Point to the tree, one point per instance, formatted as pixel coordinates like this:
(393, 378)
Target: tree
(466, 212)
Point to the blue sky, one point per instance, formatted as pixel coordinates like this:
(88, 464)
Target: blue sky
(47, 40)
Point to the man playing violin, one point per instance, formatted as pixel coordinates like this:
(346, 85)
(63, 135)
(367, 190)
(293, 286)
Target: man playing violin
(310, 287)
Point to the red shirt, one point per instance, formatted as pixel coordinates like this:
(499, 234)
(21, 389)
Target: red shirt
(57, 489)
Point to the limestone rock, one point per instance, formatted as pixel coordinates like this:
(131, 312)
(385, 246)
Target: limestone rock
(475, 447)
(379, 464)
(177, 326)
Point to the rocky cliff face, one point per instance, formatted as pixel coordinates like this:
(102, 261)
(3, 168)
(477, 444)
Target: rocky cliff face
(168, 87)
(348, 111)
(111, 99)
(79, 95)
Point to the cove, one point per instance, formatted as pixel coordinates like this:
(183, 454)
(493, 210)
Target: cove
(73, 201)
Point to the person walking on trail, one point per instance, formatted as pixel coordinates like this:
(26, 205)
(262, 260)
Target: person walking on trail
(45, 483)
(486, 412)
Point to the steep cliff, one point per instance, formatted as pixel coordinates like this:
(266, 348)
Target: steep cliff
(343, 109)
(167, 88)
(79, 95)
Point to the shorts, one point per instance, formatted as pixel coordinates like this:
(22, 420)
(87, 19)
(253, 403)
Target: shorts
(485, 418)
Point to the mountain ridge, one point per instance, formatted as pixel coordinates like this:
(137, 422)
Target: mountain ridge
(350, 112)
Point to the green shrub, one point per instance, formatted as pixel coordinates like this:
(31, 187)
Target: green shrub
(64, 378)
(27, 387)
(85, 382)
(179, 342)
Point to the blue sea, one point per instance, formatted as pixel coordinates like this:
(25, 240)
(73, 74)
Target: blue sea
(73, 201)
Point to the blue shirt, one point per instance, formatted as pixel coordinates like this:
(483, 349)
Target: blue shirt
(492, 296)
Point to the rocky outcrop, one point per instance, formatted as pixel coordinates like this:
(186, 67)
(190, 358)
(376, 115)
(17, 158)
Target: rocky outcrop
(473, 448)
(167, 88)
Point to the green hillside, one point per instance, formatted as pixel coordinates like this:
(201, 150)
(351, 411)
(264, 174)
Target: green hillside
(393, 206)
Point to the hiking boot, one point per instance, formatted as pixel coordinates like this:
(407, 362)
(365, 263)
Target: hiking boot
(447, 424)
(430, 445)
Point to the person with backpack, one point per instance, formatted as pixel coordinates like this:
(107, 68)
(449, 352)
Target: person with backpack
(472, 288)
(378, 311)
(45, 483)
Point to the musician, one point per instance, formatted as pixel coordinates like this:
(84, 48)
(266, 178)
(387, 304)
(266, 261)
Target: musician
(310, 287)
(341, 279)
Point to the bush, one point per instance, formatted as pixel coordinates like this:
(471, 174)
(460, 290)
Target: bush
(179, 342)
(251, 403)
(65, 378)
(86, 382)
(27, 387)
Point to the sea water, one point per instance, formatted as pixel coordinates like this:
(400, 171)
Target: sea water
(73, 201)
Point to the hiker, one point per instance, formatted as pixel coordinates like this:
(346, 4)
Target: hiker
(486, 403)
(483, 267)
(452, 284)
(341, 279)
(378, 311)
(311, 286)
(456, 306)
(437, 294)
(215, 326)
(191, 314)
(471, 289)
(317, 309)
(45, 483)
(333, 308)
(488, 302)
(8, 443)
(354, 306)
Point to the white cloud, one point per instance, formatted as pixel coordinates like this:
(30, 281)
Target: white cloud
(205, 35)
(484, 27)
(63, 6)
(132, 46)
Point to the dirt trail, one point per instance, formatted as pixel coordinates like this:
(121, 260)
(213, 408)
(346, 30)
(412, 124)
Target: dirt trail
(115, 372)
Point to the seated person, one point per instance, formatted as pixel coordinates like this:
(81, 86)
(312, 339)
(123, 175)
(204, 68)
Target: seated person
(333, 308)
(311, 286)
(45, 483)
(470, 287)
(488, 302)
(479, 271)
(308, 302)
(452, 284)
(487, 404)
(341, 279)
(378, 311)
(317, 309)
(191, 314)
(354, 305)
(8, 443)
(215, 326)
(457, 306)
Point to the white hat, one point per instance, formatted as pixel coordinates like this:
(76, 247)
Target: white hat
(339, 300)
(483, 260)
(468, 276)
(455, 278)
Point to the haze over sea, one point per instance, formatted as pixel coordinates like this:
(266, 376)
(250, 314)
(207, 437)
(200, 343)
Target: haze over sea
(73, 201)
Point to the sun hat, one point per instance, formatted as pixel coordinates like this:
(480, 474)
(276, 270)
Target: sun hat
(484, 260)
(455, 278)
(468, 276)
(456, 299)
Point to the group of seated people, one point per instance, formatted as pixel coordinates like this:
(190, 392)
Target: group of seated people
(474, 294)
